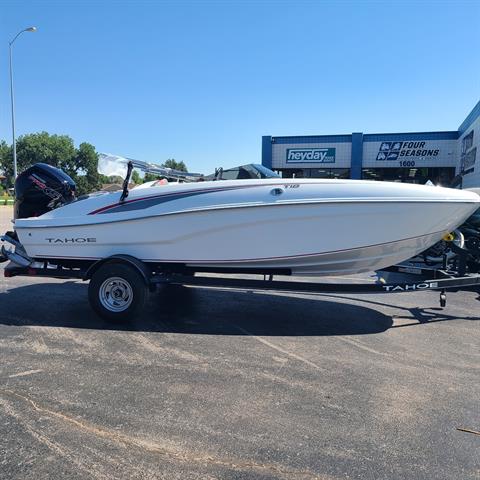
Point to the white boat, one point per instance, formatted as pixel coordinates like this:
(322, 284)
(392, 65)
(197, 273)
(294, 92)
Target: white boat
(282, 225)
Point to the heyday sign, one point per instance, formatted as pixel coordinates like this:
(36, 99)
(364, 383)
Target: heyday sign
(310, 155)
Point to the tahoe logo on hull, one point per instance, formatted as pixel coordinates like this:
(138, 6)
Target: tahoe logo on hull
(311, 155)
(71, 240)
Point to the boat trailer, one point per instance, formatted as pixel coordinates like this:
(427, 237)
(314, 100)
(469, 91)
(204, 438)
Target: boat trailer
(119, 285)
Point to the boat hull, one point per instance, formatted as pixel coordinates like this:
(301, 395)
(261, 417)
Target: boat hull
(316, 238)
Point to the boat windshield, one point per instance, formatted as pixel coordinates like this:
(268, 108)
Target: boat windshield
(263, 172)
(252, 170)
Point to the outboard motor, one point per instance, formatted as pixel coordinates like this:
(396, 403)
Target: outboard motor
(42, 188)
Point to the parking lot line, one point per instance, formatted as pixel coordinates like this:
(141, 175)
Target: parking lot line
(279, 349)
(24, 374)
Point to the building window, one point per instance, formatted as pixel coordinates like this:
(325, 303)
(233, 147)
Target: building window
(437, 175)
(329, 173)
(468, 156)
(316, 173)
(467, 142)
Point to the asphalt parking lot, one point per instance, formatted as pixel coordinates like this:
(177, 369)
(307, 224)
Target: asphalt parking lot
(216, 384)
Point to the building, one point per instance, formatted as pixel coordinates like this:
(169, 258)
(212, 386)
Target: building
(441, 157)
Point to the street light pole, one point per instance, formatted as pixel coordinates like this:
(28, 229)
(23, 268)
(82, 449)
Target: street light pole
(12, 98)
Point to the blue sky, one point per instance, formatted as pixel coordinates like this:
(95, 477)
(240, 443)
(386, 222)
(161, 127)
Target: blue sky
(203, 81)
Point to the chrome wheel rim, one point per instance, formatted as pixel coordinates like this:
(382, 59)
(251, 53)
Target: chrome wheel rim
(116, 294)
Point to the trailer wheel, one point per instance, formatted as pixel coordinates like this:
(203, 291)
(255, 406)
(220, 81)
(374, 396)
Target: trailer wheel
(117, 292)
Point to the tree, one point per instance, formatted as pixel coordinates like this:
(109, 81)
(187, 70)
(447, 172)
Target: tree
(57, 150)
(84, 171)
(6, 157)
(172, 163)
(136, 178)
(150, 177)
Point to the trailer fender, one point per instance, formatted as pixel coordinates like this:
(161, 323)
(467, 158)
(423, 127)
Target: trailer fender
(140, 266)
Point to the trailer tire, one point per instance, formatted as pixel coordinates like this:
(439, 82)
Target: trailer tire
(117, 292)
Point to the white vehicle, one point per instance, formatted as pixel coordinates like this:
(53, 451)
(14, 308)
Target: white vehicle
(270, 225)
